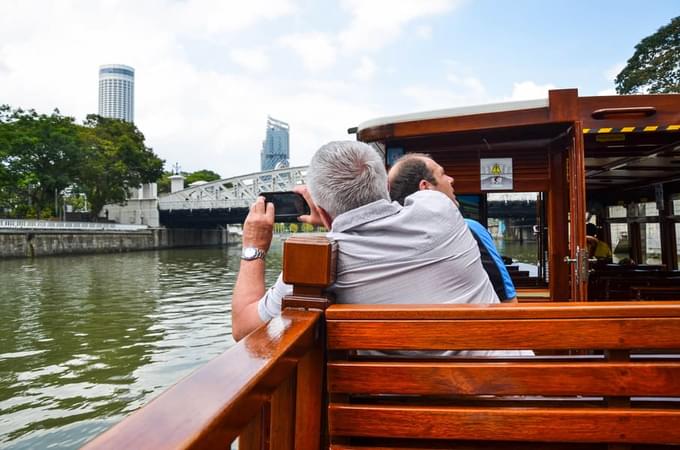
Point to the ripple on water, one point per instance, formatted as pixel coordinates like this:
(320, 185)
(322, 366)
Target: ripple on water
(88, 339)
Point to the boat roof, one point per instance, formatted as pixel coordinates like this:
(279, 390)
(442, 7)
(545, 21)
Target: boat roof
(455, 112)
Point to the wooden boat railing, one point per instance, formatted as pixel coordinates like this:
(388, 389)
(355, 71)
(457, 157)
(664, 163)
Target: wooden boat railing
(266, 389)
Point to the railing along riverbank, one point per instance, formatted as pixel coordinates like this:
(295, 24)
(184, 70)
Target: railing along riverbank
(28, 224)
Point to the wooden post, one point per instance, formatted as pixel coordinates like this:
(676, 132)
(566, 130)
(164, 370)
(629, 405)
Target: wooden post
(309, 264)
(564, 107)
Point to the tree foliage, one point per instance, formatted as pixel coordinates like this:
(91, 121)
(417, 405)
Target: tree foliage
(655, 66)
(115, 160)
(201, 175)
(189, 177)
(41, 155)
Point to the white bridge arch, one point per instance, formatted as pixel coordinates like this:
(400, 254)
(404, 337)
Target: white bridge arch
(235, 192)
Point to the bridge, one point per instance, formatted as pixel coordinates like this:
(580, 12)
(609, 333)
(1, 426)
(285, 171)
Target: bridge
(225, 201)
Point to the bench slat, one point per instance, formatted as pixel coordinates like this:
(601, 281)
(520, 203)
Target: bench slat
(517, 378)
(468, 445)
(531, 424)
(535, 310)
(544, 334)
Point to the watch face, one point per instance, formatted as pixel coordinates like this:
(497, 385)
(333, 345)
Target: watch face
(250, 253)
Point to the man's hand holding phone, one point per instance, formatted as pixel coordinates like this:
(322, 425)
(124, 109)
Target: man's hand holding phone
(314, 216)
(258, 227)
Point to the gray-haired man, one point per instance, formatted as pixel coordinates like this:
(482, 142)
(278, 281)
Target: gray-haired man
(421, 252)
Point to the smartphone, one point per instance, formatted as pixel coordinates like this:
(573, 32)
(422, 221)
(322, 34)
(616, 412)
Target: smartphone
(288, 205)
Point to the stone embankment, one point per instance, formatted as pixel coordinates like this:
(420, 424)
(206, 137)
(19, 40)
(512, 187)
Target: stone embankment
(18, 243)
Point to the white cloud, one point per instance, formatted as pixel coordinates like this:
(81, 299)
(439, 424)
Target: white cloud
(376, 23)
(472, 85)
(315, 49)
(424, 98)
(253, 59)
(529, 90)
(213, 17)
(610, 91)
(190, 111)
(366, 69)
(611, 73)
(424, 32)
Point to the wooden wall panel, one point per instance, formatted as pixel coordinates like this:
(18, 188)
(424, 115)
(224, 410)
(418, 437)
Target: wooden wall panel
(530, 167)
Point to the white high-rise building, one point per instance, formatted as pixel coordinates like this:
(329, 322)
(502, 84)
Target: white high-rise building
(117, 101)
(117, 91)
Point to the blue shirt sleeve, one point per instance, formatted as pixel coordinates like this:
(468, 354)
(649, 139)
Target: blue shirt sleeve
(485, 239)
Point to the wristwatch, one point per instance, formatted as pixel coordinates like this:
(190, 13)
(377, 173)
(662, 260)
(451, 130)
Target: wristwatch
(251, 253)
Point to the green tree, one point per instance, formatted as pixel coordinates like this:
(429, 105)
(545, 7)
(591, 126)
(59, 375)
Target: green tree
(115, 160)
(163, 183)
(201, 175)
(39, 156)
(655, 66)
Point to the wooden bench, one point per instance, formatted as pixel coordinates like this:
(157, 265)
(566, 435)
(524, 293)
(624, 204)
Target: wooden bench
(623, 391)
(621, 388)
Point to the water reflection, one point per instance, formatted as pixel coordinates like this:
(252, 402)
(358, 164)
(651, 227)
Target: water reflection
(87, 339)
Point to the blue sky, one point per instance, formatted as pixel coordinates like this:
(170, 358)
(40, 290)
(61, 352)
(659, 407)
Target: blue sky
(208, 72)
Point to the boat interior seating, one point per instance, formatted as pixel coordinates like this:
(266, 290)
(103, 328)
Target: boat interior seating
(641, 282)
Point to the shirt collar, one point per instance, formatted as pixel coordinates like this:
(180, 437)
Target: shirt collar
(364, 214)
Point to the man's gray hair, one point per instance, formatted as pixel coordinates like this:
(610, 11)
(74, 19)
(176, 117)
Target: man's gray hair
(345, 175)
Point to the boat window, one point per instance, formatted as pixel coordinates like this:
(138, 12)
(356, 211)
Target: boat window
(677, 241)
(470, 206)
(620, 242)
(650, 237)
(515, 221)
(676, 205)
(617, 211)
(647, 209)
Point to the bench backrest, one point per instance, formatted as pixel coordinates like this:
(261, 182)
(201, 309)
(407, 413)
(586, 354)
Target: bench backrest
(611, 377)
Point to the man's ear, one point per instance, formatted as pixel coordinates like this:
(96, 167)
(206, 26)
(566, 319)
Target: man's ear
(424, 185)
(325, 218)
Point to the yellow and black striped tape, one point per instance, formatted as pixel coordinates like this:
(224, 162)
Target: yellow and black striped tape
(646, 128)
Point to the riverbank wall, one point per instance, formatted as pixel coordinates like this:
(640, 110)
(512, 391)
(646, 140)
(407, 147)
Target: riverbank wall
(34, 243)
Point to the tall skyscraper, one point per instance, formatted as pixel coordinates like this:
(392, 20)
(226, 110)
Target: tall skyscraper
(275, 148)
(117, 91)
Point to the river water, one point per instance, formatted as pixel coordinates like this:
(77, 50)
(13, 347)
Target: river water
(85, 340)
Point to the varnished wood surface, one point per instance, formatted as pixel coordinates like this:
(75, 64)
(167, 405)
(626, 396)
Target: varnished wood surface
(544, 334)
(469, 445)
(531, 424)
(609, 399)
(309, 261)
(557, 216)
(452, 124)
(309, 407)
(546, 310)
(517, 378)
(209, 408)
(666, 106)
(667, 113)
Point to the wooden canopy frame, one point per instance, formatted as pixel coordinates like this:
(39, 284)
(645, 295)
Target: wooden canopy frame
(558, 146)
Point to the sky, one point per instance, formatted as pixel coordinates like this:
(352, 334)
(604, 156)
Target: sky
(209, 72)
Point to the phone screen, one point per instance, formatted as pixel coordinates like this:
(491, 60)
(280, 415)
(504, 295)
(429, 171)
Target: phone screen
(288, 205)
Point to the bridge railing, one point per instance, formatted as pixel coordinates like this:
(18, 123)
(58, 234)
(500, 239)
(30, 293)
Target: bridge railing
(203, 204)
(28, 224)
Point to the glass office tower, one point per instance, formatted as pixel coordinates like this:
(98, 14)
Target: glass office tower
(275, 148)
